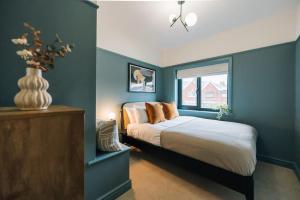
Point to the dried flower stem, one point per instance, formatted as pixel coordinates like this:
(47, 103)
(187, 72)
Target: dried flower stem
(37, 55)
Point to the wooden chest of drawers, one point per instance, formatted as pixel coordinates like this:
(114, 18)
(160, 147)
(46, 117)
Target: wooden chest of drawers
(42, 153)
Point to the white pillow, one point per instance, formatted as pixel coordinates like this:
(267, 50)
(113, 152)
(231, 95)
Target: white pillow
(131, 115)
(140, 115)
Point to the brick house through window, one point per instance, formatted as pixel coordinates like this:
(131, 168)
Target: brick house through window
(189, 96)
(213, 95)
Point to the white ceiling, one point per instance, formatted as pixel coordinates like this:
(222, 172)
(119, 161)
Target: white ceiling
(145, 23)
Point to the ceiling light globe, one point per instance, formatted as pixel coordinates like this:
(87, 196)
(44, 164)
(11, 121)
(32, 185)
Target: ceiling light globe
(171, 18)
(191, 19)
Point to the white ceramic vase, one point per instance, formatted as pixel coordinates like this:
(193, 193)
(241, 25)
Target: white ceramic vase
(33, 93)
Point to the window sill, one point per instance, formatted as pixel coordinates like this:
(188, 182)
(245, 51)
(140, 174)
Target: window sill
(106, 155)
(198, 113)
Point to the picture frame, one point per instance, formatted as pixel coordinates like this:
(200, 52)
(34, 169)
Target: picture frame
(141, 79)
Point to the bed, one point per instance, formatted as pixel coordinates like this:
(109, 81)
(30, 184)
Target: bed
(222, 151)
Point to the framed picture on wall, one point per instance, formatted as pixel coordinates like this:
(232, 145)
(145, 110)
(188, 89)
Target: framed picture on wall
(141, 79)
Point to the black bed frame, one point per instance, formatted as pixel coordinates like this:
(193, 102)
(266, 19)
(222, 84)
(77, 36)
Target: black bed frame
(239, 183)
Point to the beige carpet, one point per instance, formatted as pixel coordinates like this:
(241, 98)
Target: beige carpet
(154, 179)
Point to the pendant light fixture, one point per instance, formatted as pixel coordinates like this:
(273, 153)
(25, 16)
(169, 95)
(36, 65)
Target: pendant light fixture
(190, 19)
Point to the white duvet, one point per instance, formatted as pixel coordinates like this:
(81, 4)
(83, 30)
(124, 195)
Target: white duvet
(228, 145)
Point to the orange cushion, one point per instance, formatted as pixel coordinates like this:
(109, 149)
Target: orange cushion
(170, 110)
(155, 113)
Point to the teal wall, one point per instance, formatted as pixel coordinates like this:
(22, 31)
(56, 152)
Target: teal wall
(73, 81)
(263, 95)
(112, 80)
(297, 104)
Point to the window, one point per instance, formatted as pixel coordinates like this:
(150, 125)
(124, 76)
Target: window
(203, 88)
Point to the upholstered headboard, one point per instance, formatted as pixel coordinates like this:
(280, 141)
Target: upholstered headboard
(124, 115)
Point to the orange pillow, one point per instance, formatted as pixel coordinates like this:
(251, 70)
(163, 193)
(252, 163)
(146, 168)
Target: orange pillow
(170, 110)
(155, 113)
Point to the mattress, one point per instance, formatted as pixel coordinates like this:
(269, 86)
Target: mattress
(151, 132)
(228, 145)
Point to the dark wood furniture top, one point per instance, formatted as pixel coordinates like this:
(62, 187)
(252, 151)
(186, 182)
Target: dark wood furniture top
(14, 113)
